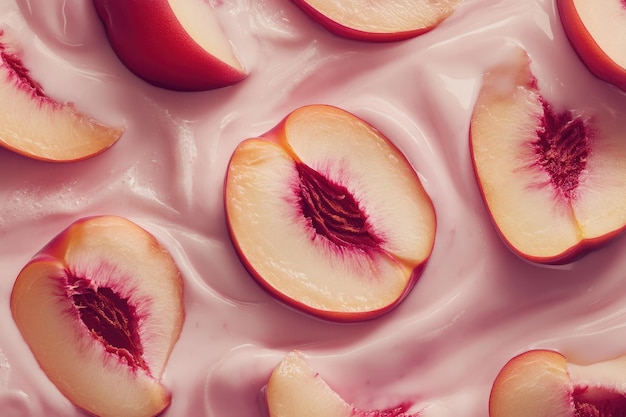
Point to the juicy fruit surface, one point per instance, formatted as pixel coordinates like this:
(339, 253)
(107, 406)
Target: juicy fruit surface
(542, 383)
(35, 125)
(304, 202)
(295, 389)
(101, 308)
(552, 192)
(357, 19)
(595, 30)
(605, 24)
(533, 384)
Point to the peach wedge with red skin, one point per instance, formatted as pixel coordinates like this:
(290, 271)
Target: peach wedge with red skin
(597, 29)
(552, 179)
(392, 20)
(328, 215)
(542, 383)
(36, 125)
(294, 389)
(100, 307)
(174, 44)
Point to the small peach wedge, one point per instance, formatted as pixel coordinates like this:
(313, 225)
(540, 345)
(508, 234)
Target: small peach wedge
(294, 389)
(173, 44)
(391, 20)
(36, 125)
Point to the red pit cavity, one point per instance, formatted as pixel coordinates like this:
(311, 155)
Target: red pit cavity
(562, 148)
(608, 405)
(333, 211)
(111, 320)
(399, 411)
(19, 72)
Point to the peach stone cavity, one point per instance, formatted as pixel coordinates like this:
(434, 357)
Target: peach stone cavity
(100, 307)
(551, 180)
(328, 215)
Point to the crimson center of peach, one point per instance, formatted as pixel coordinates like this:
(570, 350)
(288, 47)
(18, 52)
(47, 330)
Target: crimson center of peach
(606, 405)
(333, 211)
(19, 72)
(562, 148)
(111, 320)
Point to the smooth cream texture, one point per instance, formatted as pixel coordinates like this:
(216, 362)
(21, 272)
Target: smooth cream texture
(475, 306)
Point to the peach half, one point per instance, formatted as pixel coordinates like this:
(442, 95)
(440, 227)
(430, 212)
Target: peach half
(37, 126)
(294, 389)
(101, 308)
(328, 215)
(551, 179)
(173, 44)
(597, 29)
(382, 21)
(542, 383)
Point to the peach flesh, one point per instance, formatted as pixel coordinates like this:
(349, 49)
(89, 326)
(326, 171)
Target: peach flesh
(562, 148)
(110, 319)
(333, 211)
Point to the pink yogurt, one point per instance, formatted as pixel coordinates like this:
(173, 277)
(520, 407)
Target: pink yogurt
(476, 305)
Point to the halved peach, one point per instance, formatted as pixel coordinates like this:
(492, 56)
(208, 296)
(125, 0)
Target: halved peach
(101, 308)
(328, 215)
(551, 178)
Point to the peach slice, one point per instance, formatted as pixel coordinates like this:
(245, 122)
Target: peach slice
(328, 215)
(597, 29)
(378, 21)
(37, 126)
(552, 179)
(294, 389)
(174, 44)
(542, 383)
(101, 308)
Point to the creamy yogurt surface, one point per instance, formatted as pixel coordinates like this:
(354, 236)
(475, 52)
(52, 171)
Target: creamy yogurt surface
(476, 304)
